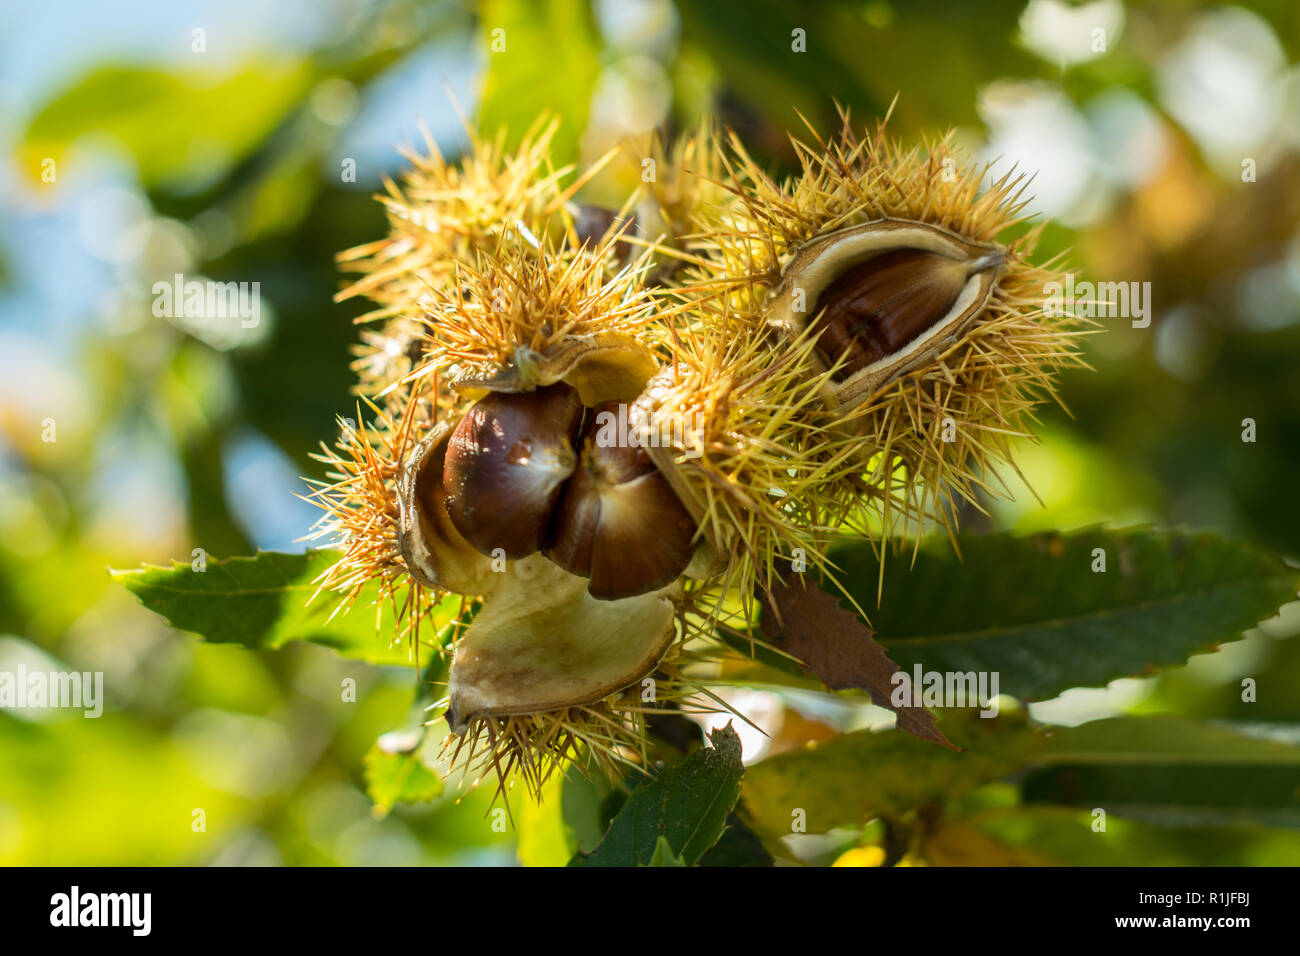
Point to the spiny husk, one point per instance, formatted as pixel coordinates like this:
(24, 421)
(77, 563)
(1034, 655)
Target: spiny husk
(774, 457)
(852, 180)
(484, 285)
(674, 183)
(754, 458)
(605, 736)
(534, 314)
(685, 189)
(362, 512)
(444, 214)
(986, 375)
(516, 706)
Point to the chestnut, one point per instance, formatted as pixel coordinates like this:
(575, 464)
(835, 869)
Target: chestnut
(878, 307)
(619, 522)
(506, 464)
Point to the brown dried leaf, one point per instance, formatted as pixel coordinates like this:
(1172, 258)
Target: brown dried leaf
(838, 648)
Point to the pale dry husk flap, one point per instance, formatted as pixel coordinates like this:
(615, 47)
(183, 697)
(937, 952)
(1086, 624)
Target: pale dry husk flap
(604, 367)
(542, 643)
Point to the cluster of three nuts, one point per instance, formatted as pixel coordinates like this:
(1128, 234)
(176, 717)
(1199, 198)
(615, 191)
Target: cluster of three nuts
(527, 472)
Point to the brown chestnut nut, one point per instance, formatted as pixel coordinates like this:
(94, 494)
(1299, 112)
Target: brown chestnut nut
(878, 307)
(506, 464)
(619, 522)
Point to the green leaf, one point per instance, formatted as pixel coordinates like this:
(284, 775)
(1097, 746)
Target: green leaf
(852, 778)
(664, 855)
(1032, 610)
(393, 778)
(260, 602)
(551, 61)
(685, 805)
(1170, 770)
(178, 125)
(738, 846)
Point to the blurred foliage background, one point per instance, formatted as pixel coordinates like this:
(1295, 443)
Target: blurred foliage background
(211, 139)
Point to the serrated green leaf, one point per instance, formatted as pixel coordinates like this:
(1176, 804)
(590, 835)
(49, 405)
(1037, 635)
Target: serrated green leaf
(852, 778)
(260, 602)
(1170, 770)
(1032, 609)
(393, 778)
(685, 805)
